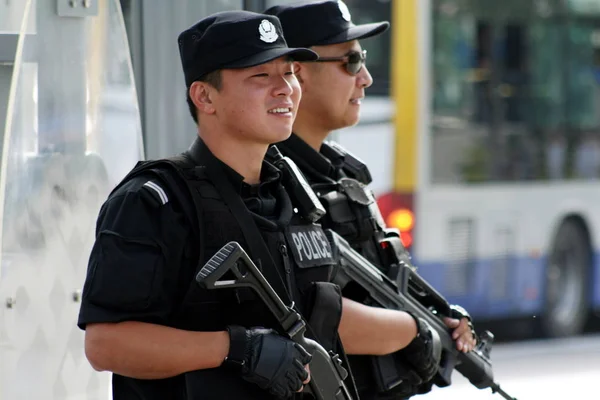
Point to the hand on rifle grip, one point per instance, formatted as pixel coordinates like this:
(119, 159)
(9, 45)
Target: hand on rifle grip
(269, 360)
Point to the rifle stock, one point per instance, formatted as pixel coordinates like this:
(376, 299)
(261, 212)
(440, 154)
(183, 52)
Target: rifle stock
(411, 293)
(326, 370)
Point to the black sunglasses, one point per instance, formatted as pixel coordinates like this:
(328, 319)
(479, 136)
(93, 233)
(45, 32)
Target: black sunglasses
(354, 61)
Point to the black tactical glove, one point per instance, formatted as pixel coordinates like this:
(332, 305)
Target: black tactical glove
(269, 360)
(423, 354)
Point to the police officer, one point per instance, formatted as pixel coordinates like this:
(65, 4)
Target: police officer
(146, 319)
(332, 92)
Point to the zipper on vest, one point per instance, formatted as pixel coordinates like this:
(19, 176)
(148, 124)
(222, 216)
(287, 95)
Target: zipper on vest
(288, 269)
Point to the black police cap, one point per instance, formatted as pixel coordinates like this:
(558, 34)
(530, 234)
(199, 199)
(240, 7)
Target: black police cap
(234, 39)
(322, 23)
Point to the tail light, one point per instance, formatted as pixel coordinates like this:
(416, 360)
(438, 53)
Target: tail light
(398, 212)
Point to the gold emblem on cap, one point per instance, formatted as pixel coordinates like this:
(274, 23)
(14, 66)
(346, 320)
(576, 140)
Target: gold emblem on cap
(344, 10)
(268, 32)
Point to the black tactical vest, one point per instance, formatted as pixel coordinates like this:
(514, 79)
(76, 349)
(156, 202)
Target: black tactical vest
(341, 182)
(303, 262)
(353, 213)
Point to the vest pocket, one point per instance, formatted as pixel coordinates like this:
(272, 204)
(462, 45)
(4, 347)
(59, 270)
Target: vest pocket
(125, 272)
(325, 312)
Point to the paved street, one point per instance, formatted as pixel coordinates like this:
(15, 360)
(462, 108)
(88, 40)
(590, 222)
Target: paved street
(537, 370)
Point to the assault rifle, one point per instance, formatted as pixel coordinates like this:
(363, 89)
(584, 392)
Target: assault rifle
(409, 292)
(326, 370)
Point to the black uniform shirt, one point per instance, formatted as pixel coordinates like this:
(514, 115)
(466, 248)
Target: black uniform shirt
(143, 259)
(144, 245)
(315, 166)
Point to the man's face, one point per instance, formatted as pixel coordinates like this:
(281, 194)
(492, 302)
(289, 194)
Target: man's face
(258, 104)
(330, 94)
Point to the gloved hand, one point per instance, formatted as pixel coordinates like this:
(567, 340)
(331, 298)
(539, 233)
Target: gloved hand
(269, 360)
(423, 354)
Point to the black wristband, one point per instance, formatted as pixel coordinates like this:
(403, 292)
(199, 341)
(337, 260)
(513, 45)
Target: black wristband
(237, 347)
(417, 321)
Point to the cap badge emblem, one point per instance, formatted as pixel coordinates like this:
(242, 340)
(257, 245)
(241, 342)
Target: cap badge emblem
(267, 31)
(344, 10)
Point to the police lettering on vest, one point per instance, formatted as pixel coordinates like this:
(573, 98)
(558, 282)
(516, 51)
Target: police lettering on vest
(310, 246)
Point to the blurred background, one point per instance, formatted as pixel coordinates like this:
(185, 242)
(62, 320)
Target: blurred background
(481, 131)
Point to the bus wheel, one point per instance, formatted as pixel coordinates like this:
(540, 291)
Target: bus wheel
(566, 297)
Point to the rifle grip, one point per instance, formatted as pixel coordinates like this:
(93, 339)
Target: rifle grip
(326, 371)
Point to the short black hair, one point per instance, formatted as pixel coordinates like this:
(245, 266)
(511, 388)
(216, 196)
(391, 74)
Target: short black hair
(214, 79)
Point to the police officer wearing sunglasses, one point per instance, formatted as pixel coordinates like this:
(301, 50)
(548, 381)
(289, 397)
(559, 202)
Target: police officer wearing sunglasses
(333, 87)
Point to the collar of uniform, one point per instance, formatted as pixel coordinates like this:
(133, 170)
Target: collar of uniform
(201, 154)
(270, 178)
(308, 158)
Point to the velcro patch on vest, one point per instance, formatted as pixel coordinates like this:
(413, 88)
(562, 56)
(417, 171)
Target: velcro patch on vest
(309, 245)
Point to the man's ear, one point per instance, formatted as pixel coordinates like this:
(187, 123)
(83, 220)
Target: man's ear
(201, 93)
(300, 72)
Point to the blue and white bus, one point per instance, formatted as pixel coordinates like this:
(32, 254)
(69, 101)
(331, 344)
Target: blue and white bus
(485, 151)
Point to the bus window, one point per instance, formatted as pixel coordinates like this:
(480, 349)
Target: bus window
(499, 89)
(453, 48)
(583, 100)
(582, 107)
(547, 113)
(456, 84)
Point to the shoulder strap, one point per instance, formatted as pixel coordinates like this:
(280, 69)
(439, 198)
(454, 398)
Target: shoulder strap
(311, 173)
(251, 233)
(186, 169)
(182, 167)
(173, 173)
(351, 165)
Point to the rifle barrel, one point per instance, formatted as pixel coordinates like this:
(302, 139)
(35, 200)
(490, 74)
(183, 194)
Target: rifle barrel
(497, 389)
